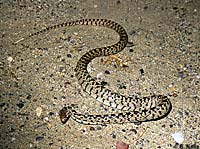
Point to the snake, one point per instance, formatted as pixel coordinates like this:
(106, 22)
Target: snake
(132, 109)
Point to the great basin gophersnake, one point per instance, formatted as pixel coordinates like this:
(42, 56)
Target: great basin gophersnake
(133, 109)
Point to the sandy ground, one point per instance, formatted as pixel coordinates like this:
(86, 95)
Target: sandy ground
(37, 77)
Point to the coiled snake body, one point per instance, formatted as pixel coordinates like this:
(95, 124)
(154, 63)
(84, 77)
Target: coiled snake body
(133, 108)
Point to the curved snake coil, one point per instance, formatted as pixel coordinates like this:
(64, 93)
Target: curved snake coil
(133, 108)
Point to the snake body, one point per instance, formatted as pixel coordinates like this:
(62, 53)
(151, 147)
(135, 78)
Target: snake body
(133, 108)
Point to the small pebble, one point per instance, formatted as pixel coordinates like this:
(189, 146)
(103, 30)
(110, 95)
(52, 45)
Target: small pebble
(133, 32)
(118, 2)
(99, 128)
(51, 113)
(46, 119)
(2, 104)
(121, 145)
(51, 143)
(20, 104)
(69, 55)
(62, 69)
(28, 97)
(39, 111)
(45, 49)
(133, 130)
(83, 130)
(39, 138)
(100, 76)
(181, 74)
(10, 59)
(178, 137)
(114, 136)
(163, 126)
(13, 139)
(107, 72)
(1, 120)
(123, 130)
(131, 50)
(92, 128)
(142, 71)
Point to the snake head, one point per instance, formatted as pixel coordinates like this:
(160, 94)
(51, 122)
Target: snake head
(161, 99)
(155, 100)
(64, 114)
(162, 109)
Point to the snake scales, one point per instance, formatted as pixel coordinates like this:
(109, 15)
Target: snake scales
(133, 108)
